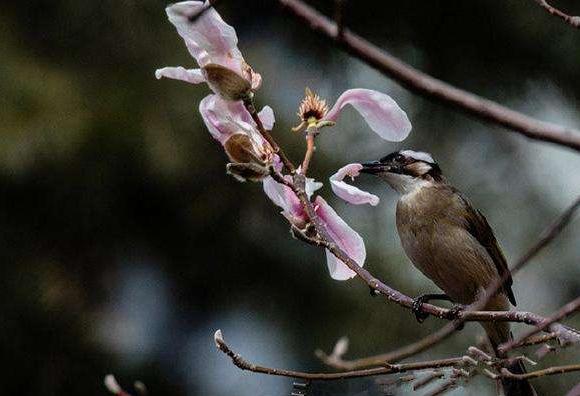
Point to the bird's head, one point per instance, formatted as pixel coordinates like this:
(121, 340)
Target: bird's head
(405, 170)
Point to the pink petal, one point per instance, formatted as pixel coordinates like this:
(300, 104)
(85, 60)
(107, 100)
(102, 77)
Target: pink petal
(285, 198)
(211, 108)
(256, 81)
(266, 115)
(379, 110)
(193, 76)
(209, 38)
(350, 193)
(347, 238)
(311, 186)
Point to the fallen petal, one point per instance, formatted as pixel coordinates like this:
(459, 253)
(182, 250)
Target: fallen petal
(345, 237)
(350, 193)
(193, 76)
(379, 110)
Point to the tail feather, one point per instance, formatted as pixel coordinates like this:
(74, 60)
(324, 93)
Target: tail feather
(497, 333)
(514, 387)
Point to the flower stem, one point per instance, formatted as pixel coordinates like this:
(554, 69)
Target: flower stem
(310, 149)
(249, 104)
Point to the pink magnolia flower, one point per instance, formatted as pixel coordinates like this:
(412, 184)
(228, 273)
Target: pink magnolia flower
(214, 45)
(350, 193)
(380, 112)
(230, 124)
(346, 238)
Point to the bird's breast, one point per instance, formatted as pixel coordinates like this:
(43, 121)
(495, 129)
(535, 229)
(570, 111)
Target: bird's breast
(437, 244)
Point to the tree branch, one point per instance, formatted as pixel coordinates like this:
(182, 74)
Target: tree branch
(243, 364)
(566, 310)
(541, 373)
(573, 21)
(431, 87)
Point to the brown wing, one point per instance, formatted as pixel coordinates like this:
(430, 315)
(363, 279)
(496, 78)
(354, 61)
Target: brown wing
(478, 226)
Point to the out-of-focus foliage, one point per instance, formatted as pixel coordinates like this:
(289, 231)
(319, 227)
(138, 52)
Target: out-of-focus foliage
(124, 245)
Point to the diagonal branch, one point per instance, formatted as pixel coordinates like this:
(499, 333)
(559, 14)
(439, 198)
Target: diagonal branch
(573, 21)
(430, 87)
(568, 309)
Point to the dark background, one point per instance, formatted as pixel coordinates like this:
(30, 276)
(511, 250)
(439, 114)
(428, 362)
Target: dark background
(124, 245)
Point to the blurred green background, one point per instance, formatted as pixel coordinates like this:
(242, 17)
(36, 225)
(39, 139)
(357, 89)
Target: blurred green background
(124, 245)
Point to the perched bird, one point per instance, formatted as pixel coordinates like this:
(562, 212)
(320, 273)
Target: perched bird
(449, 241)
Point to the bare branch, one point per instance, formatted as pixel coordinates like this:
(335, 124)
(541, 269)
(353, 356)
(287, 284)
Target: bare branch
(535, 340)
(431, 87)
(243, 364)
(339, 17)
(568, 309)
(573, 21)
(249, 104)
(541, 373)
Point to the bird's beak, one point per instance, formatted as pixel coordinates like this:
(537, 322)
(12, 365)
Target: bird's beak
(374, 167)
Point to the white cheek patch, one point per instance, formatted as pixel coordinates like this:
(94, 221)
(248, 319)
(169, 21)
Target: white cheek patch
(404, 184)
(418, 155)
(419, 168)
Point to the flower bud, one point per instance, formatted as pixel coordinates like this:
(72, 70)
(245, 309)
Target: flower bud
(247, 171)
(248, 163)
(227, 83)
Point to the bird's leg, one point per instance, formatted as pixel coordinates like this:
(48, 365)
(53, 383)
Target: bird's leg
(425, 298)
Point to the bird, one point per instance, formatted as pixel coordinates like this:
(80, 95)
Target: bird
(450, 242)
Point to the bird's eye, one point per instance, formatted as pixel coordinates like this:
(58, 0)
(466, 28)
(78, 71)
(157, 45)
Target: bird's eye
(399, 157)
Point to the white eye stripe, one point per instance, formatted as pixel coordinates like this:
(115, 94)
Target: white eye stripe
(418, 155)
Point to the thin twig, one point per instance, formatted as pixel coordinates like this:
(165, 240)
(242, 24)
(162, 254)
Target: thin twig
(310, 149)
(541, 373)
(566, 310)
(535, 340)
(249, 104)
(431, 87)
(243, 364)
(339, 17)
(573, 21)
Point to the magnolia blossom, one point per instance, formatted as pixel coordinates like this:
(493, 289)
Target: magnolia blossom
(230, 124)
(350, 193)
(344, 236)
(214, 45)
(380, 112)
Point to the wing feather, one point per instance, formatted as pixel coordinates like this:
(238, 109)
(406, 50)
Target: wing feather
(478, 226)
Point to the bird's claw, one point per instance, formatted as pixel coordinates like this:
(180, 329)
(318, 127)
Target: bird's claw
(418, 309)
(454, 314)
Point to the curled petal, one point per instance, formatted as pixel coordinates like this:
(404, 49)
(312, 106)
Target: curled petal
(350, 193)
(208, 37)
(193, 76)
(346, 238)
(266, 115)
(379, 111)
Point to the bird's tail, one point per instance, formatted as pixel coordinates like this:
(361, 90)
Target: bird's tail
(498, 333)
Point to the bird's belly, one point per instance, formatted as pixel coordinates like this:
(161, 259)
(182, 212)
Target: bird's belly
(450, 257)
